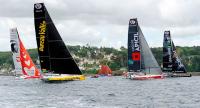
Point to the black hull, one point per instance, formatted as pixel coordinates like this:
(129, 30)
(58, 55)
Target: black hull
(171, 75)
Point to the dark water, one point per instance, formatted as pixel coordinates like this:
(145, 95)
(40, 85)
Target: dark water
(105, 92)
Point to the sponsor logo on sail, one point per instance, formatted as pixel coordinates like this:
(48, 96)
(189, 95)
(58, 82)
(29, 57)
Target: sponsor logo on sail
(136, 56)
(38, 6)
(135, 42)
(42, 32)
(132, 22)
(166, 32)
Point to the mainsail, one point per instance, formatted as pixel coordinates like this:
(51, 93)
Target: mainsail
(15, 51)
(134, 56)
(140, 57)
(171, 61)
(21, 58)
(54, 55)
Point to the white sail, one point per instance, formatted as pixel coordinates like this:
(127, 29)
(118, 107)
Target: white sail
(14, 41)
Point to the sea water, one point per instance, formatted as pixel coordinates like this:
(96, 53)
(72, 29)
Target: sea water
(103, 92)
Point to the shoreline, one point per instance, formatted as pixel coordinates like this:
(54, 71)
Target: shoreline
(195, 73)
(115, 73)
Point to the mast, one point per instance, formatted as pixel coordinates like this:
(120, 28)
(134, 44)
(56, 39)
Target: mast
(54, 55)
(134, 56)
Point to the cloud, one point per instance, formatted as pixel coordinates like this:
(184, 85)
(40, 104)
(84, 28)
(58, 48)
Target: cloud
(103, 22)
(180, 12)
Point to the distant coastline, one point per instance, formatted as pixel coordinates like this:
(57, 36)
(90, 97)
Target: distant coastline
(195, 73)
(89, 58)
(114, 73)
(6, 74)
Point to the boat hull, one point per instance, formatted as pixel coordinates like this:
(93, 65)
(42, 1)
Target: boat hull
(146, 77)
(32, 77)
(178, 75)
(62, 77)
(28, 77)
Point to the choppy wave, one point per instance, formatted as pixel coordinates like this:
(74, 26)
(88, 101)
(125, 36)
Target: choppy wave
(105, 92)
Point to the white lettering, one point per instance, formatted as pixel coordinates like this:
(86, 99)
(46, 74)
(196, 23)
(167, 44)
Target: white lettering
(136, 42)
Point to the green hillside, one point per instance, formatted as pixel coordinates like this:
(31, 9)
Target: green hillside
(89, 58)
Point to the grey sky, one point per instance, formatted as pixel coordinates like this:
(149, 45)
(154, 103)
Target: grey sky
(104, 22)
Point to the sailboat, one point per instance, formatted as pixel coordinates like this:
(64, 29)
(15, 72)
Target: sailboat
(142, 64)
(105, 70)
(24, 66)
(56, 62)
(172, 64)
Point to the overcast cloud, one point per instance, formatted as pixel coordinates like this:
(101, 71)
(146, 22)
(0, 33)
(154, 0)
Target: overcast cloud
(104, 22)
